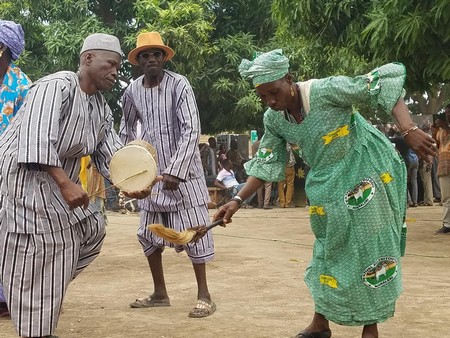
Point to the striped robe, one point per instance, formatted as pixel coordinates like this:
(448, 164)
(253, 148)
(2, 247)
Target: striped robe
(57, 125)
(44, 245)
(170, 122)
(12, 92)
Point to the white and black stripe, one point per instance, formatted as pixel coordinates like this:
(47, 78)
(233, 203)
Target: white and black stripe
(199, 252)
(57, 125)
(47, 263)
(170, 122)
(44, 245)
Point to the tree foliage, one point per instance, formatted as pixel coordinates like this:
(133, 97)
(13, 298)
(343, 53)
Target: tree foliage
(413, 32)
(210, 38)
(206, 36)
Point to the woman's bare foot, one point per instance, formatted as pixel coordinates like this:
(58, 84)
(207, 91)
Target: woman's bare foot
(370, 331)
(319, 324)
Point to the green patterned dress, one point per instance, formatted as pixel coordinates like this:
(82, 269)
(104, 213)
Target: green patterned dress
(356, 188)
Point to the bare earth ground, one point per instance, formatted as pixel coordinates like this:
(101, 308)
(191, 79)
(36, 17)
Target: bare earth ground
(256, 281)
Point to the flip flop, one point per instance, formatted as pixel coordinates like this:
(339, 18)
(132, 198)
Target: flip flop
(202, 309)
(150, 302)
(320, 334)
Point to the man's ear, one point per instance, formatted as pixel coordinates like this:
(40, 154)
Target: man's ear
(87, 58)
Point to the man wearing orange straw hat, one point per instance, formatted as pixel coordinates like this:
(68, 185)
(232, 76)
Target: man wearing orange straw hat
(164, 103)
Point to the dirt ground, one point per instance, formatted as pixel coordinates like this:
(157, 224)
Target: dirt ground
(256, 281)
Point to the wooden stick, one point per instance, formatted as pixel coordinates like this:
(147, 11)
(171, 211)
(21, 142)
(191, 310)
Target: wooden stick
(114, 185)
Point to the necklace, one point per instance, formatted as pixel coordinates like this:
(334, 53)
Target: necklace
(299, 114)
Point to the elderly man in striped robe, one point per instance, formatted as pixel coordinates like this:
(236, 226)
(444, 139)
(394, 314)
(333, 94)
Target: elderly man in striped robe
(49, 232)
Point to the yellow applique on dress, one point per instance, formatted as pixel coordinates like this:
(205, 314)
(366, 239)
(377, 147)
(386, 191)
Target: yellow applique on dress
(340, 132)
(386, 177)
(316, 210)
(329, 280)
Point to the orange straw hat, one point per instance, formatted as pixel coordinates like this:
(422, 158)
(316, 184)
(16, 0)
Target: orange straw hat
(149, 40)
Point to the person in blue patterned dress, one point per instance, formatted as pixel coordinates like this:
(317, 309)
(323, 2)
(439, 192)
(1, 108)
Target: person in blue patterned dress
(14, 82)
(356, 185)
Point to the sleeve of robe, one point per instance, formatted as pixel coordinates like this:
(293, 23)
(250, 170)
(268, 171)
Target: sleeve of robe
(270, 160)
(189, 120)
(40, 126)
(379, 89)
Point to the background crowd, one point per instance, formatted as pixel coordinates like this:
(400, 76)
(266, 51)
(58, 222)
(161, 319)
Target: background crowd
(424, 188)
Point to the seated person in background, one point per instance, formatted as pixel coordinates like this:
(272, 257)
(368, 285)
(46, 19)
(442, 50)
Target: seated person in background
(222, 155)
(227, 180)
(204, 156)
(237, 160)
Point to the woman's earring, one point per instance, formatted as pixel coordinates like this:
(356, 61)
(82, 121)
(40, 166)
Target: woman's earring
(292, 92)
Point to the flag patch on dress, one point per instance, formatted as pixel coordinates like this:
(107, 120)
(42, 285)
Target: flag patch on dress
(360, 195)
(316, 210)
(265, 154)
(381, 272)
(386, 177)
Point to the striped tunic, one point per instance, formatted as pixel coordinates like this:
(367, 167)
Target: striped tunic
(170, 122)
(56, 126)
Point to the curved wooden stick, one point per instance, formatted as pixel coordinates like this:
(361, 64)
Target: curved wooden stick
(114, 185)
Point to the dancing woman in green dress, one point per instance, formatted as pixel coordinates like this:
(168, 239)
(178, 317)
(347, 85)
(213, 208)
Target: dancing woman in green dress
(356, 185)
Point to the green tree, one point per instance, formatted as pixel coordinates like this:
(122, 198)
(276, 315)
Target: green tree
(413, 32)
(207, 50)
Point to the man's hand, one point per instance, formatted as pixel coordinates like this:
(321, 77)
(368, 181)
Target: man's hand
(74, 195)
(170, 182)
(143, 193)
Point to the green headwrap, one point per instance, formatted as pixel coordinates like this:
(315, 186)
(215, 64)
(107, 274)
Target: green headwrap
(265, 67)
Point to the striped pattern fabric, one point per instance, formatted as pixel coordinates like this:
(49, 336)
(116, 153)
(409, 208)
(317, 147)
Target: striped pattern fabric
(199, 252)
(56, 126)
(170, 122)
(46, 264)
(44, 245)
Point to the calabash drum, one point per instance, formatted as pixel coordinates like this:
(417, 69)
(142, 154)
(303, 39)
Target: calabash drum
(133, 167)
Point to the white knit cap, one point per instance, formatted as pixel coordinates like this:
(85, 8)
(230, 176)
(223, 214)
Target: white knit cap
(103, 42)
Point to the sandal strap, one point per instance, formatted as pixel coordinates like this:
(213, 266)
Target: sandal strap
(201, 304)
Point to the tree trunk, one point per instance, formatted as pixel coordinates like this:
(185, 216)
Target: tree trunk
(431, 102)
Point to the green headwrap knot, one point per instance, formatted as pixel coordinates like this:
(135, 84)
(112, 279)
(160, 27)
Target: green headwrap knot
(265, 67)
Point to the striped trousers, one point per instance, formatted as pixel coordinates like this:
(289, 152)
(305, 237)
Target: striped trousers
(36, 269)
(199, 252)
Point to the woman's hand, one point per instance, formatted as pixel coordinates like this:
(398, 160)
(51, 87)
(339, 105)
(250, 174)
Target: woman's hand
(226, 211)
(419, 141)
(422, 144)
